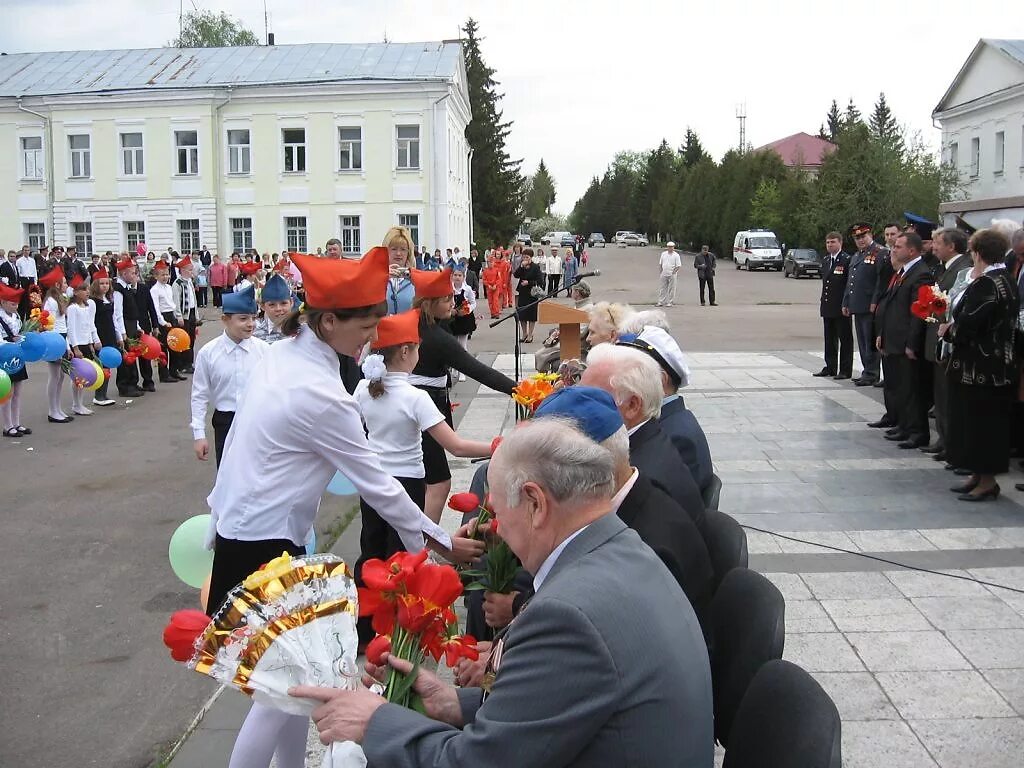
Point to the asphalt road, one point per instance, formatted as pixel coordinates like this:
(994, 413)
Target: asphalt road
(90, 506)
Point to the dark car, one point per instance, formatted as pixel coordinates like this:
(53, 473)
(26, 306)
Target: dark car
(595, 239)
(801, 261)
(568, 240)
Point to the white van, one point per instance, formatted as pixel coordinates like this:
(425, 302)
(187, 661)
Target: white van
(757, 249)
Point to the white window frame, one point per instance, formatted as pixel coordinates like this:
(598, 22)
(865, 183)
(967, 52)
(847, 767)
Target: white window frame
(351, 145)
(406, 145)
(975, 157)
(999, 154)
(32, 159)
(243, 230)
(85, 245)
(239, 153)
(197, 244)
(37, 239)
(298, 149)
(191, 152)
(414, 229)
(132, 159)
(80, 155)
(133, 235)
(346, 231)
(301, 233)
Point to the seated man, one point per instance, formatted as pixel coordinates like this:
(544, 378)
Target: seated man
(607, 617)
(633, 379)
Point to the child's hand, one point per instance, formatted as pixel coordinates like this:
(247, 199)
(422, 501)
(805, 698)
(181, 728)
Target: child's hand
(202, 449)
(76, 352)
(96, 346)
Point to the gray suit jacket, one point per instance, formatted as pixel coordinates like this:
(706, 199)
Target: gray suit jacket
(605, 667)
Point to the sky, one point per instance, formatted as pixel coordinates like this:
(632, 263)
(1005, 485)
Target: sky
(584, 80)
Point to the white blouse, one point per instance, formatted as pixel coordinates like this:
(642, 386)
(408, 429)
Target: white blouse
(81, 322)
(60, 321)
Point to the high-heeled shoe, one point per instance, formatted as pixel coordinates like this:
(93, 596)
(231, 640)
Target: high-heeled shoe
(967, 487)
(991, 493)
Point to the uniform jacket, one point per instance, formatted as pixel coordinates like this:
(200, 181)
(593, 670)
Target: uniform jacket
(863, 280)
(983, 331)
(683, 429)
(835, 272)
(945, 282)
(652, 452)
(899, 328)
(609, 618)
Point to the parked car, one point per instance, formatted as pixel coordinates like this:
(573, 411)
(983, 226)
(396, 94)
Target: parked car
(553, 238)
(800, 262)
(568, 240)
(757, 249)
(524, 238)
(596, 239)
(632, 238)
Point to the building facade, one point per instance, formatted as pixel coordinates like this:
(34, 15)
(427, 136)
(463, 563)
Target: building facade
(982, 119)
(273, 148)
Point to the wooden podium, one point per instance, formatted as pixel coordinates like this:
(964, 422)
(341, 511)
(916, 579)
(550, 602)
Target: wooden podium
(568, 320)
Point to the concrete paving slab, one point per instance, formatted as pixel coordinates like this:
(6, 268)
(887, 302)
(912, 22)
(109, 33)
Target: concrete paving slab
(918, 584)
(883, 744)
(969, 613)
(990, 648)
(906, 651)
(940, 694)
(857, 696)
(843, 586)
(822, 652)
(881, 615)
(992, 743)
(1010, 685)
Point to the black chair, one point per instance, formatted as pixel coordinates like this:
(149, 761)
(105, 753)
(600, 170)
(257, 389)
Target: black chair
(748, 629)
(478, 485)
(712, 493)
(726, 543)
(786, 720)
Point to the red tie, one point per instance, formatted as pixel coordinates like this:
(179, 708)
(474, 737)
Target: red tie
(896, 279)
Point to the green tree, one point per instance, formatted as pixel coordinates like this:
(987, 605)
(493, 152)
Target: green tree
(540, 193)
(497, 182)
(884, 127)
(543, 225)
(659, 167)
(833, 123)
(692, 151)
(766, 206)
(206, 29)
(852, 117)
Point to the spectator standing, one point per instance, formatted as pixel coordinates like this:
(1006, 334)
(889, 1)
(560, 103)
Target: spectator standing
(837, 326)
(26, 266)
(669, 264)
(704, 263)
(553, 267)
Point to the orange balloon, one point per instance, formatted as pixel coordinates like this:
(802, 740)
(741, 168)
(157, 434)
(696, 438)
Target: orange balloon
(178, 340)
(204, 592)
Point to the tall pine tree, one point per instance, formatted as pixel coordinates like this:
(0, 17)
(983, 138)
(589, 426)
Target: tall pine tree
(540, 194)
(833, 123)
(692, 151)
(884, 126)
(852, 116)
(497, 182)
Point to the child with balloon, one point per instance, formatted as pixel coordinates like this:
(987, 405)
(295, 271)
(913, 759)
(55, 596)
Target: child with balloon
(101, 296)
(12, 366)
(56, 303)
(83, 341)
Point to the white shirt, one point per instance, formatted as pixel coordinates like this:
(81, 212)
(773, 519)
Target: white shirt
(296, 426)
(553, 265)
(223, 369)
(243, 284)
(26, 266)
(395, 422)
(633, 429)
(468, 294)
(13, 323)
(669, 262)
(623, 492)
(163, 298)
(81, 322)
(549, 561)
(60, 321)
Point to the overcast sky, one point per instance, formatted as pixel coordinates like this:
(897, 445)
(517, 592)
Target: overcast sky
(583, 80)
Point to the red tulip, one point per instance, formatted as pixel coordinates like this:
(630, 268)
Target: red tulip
(393, 574)
(495, 443)
(459, 647)
(380, 645)
(494, 525)
(431, 592)
(182, 630)
(464, 502)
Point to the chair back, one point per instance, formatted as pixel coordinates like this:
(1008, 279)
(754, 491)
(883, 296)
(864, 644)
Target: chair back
(712, 493)
(726, 542)
(748, 629)
(786, 720)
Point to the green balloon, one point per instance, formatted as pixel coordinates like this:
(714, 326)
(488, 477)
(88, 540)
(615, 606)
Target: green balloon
(190, 561)
(5, 385)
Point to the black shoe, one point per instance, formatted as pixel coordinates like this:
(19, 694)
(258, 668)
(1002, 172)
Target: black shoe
(714, 304)
(149, 387)
(963, 471)
(65, 420)
(823, 373)
(190, 369)
(934, 448)
(967, 487)
(169, 379)
(898, 437)
(892, 431)
(949, 467)
(179, 377)
(126, 392)
(864, 381)
(877, 384)
(991, 493)
(913, 443)
(840, 376)
(1018, 487)
(702, 303)
(941, 456)
(880, 424)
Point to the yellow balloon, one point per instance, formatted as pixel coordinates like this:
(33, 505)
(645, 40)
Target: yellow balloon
(99, 376)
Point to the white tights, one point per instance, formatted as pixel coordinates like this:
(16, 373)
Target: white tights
(11, 410)
(54, 382)
(268, 731)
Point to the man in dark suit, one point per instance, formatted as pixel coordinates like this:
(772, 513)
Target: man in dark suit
(837, 325)
(9, 269)
(901, 342)
(704, 263)
(860, 298)
(133, 313)
(73, 265)
(605, 668)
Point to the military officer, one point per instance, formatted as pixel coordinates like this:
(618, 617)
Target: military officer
(837, 326)
(860, 298)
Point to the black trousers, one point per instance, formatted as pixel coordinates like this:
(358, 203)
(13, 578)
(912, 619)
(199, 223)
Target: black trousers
(838, 344)
(709, 283)
(553, 281)
(940, 394)
(128, 375)
(201, 296)
(892, 393)
(217, 291)
(234, 560)
(908, 397)
(869, 356)
(221, 425)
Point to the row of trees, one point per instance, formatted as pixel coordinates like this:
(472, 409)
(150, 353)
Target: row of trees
(878, 171)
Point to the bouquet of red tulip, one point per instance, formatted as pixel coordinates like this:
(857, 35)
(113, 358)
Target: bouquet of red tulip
(38, 320)
(931, 304)
(410, 602)
(502, 564)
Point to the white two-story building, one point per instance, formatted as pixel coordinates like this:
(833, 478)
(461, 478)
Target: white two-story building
(267, 147)
(982, 119)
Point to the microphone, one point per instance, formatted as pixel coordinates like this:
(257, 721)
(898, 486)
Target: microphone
(591, 273)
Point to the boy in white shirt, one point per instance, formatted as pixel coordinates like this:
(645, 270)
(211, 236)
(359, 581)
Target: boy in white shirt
(669, 264)
(163, 301)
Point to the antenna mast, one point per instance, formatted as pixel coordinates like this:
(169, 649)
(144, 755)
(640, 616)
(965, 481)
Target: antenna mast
(741, 115)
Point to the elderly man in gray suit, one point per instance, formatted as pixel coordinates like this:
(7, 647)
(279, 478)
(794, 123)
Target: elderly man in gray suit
(605, 666)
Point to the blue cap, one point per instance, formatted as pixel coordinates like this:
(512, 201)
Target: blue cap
(593, 410)
(240, 302)
(276, 289)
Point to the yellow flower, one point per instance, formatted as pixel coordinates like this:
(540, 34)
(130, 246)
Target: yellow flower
(272, 570)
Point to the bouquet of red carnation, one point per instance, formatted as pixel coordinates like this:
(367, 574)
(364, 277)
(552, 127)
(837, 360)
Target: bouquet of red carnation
(931, 304)
(410, 602)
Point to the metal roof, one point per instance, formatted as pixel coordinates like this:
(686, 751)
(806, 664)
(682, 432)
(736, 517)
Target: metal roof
(70, 72)
(1013, 48)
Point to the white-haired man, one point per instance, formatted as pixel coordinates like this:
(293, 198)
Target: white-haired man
(551, 489)
(669, 265)
(634, 380)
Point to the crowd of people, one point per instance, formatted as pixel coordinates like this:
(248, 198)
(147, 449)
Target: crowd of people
(937, 318)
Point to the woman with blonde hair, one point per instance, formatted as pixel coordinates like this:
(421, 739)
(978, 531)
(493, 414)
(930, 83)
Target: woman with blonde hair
(606, 321)
(401, 262)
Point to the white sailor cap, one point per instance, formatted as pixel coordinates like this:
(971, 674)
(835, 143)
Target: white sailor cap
(659, 344)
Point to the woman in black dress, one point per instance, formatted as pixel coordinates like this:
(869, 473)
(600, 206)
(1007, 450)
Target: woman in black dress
(528, 276)
(982, 368)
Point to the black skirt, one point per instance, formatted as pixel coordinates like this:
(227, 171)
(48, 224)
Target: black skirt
(978, 427)
(234, 560)
(435, 460)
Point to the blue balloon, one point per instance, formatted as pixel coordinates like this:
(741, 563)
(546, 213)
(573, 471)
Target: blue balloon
(11, 358)
(311, 542)
(56, 346)
(341, 486)
(33, 347)
(110, 357)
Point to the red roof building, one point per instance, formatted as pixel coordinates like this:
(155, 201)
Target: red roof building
(801, 150)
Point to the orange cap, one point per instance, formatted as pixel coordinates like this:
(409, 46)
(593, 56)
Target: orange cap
(52, 277)
(10, 294)
(126, 264)
(431, 285)
(344, 283)
(77, 280)
(186, 262)
(403, 328)
(250, 268)
(100, 274)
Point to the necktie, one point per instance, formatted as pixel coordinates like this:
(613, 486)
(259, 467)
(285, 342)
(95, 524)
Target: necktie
(896, 279)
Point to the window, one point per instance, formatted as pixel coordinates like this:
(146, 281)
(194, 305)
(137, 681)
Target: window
(954, 155)
(351, 241)
(81, 167)
(408, 146)
(294, 150)
(411, 221)
(238, 151)
(295, 233)
(82, 234)
(134, 233)
(186, 144)
(241, 235)
(32, 157)
(1000, 158)
(35, 236)
(131, 154)
(975, 157)
(351, 143)
(188, 234)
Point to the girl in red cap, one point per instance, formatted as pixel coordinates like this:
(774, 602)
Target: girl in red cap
(10, 332)
(56, 303)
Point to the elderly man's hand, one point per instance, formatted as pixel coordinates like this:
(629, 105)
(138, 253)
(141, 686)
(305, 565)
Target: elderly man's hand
(498, 609)
(470, 674)
(342, 715)
(440, 701)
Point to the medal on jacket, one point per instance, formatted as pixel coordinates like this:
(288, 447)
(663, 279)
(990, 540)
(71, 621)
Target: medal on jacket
(839, 270)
